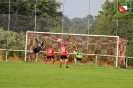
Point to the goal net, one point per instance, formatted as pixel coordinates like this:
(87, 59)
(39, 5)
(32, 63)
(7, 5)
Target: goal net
(100, 49)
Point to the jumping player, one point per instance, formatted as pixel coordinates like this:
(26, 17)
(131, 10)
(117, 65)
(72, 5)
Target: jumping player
(63, 53)
(50, 55)
(37, 49)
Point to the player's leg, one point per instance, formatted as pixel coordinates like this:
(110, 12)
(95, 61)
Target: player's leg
(66, 61)
(60, 62)
(30, 52)
(46, 60)
(79, 61)
(35, 56)
(29, 56)
(33, 51)
(53, 60)
(75, 61)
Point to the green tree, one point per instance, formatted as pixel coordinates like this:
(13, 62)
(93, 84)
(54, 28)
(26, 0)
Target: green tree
(105, 20)
(77, 25)
(23, 14)
(106, 24)
(16, 41)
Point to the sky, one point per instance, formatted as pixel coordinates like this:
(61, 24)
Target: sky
(80, 8)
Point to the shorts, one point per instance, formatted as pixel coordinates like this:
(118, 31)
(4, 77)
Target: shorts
(63, 57)
(78, 59)
(37, 49)
(50, 57)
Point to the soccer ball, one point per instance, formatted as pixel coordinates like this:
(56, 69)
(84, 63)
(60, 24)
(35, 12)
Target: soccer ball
(59, 39)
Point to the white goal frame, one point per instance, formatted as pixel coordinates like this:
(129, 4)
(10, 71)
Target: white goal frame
(117, 42)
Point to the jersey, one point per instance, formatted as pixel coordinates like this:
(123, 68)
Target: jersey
(50, 52)
(78, 55)
(38, 48)
(40, 44)
(63, 50)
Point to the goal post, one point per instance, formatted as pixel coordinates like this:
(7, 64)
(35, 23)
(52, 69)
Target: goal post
(88, 45)
(109, 40)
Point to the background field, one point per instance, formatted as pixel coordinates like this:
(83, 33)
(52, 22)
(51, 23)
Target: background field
(38, 75)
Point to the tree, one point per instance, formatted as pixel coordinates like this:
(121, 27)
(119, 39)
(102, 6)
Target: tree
(16, 41)
(27, 7)
(105, 20)
(78, 25)
(23, 14)
(106, 24)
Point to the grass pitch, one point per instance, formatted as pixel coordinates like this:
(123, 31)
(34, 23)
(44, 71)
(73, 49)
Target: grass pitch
(38, 75)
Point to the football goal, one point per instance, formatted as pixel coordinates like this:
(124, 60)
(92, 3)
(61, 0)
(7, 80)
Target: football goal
(98, 48)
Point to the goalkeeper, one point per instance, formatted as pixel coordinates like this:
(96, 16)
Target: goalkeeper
(78, 57)
(37, 49)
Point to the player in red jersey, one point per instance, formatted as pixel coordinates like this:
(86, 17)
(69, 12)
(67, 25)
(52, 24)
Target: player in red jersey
(64, 52)
(50, 55)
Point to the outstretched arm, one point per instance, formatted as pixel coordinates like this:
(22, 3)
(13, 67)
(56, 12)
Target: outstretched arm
(42, 43)
(37, 41)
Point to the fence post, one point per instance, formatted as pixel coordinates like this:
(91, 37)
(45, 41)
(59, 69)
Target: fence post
(96, 60)
(126, 61)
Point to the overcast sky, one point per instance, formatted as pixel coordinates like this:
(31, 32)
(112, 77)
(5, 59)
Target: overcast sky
(80, 8)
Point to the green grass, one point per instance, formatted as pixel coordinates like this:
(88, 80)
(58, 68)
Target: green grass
(38, 75)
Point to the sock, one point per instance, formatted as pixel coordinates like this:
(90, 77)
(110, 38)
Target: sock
(53, 61)
(75, 62)
(60, 63)
(67, 63)
(46, 61)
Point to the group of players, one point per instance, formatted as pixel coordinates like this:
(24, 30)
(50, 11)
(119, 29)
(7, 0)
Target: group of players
(50, 54)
